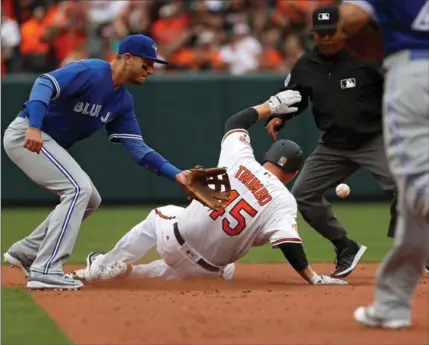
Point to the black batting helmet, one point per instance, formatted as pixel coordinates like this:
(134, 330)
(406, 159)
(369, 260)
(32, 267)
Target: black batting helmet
(286, 155)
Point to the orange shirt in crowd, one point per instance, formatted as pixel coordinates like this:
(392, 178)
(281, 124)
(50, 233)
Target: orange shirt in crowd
(270, 59)
(165, 30)
(68, 39)
(31, 33)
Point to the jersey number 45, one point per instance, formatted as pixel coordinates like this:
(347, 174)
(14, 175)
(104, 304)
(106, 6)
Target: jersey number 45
(236, 212)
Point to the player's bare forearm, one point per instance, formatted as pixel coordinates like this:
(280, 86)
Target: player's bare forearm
(263, 110)
(353, 19)
(307, 274)
(278, 104)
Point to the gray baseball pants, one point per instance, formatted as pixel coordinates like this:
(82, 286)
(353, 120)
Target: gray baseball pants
(406, 128)
(51, 243)
(325, 168)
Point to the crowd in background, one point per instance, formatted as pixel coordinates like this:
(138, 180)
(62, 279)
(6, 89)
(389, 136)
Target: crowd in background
(235, 36)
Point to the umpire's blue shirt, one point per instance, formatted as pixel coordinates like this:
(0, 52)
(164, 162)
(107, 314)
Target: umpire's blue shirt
(84, 100)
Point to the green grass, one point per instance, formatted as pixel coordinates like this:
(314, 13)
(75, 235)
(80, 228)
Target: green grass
(25, 323)
(366, 223)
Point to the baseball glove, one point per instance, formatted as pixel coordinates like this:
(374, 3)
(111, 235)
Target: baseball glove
(198, 186)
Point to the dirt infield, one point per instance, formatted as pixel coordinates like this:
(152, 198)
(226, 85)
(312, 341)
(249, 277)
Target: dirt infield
(266, 304)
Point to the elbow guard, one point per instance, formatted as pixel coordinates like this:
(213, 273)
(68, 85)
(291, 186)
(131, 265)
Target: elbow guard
(294, 253)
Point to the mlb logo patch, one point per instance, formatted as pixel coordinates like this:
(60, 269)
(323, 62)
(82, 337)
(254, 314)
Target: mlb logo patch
(348, 83)
(282, 161)
(323, 16)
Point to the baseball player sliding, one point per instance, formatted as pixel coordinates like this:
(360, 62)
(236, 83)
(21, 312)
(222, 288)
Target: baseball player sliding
(65, 106)
(196, 241)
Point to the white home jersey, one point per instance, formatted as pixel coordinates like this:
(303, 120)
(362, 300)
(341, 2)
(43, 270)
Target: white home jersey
(261, 209)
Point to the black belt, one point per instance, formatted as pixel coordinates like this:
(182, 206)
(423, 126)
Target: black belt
(201, 262)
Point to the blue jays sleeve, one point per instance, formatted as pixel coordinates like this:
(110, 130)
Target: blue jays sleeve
(125, 126)
(70, 79)
(126, 130)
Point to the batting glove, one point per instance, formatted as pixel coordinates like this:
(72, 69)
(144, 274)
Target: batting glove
(281, 103)
(325, 280)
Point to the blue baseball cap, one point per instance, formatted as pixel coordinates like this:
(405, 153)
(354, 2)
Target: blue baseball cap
(140, 45)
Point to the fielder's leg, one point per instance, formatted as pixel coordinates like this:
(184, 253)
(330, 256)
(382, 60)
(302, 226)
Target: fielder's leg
(23, 253)
(55, 170)
(406, 123)
(325, 168)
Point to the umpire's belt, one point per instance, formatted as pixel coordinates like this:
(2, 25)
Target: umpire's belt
(201, 262)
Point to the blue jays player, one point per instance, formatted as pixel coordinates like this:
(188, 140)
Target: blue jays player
(65, 106)
(405, 29)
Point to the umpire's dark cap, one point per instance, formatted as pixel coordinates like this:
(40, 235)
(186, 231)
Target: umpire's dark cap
(140, 45)
(286, 154)
(326, 18)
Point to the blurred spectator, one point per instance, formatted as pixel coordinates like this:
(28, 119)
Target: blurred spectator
(237, 36)
(207, 55)
(10, 38)
(270, 58)
(242, 54)
(293, 49)
(33, 48)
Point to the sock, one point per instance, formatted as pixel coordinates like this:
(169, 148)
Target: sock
(341, 243)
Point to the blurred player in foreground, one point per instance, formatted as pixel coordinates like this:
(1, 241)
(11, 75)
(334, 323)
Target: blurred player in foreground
(195, 241)
(405, 30)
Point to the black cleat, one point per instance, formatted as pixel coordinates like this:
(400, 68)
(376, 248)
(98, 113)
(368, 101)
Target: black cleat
(348, 259)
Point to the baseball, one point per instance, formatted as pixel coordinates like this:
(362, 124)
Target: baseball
(342, 190)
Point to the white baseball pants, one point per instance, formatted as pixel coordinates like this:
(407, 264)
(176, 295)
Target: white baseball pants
(156, 230)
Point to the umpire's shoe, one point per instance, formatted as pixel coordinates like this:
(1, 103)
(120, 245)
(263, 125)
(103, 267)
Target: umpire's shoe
(347, 259)
(16, 259)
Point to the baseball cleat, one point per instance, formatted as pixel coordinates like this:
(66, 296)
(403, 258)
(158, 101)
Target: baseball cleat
(19, 261)
(348, 259)
(39, 281)
(91, 258)
(368, 317)
(427, 268)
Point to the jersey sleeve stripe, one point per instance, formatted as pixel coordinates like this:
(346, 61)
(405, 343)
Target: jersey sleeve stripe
(365, 6)
(234, 131)
(57, 86)
(286, 240)
(115, 137)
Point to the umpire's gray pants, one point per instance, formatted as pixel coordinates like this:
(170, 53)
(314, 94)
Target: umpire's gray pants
(54, 169)
(406, 128)
(327, 167)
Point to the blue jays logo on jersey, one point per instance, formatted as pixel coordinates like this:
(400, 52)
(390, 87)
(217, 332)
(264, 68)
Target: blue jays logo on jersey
(94, 110)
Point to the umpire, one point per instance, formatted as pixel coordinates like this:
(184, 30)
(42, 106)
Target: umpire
(346, 94)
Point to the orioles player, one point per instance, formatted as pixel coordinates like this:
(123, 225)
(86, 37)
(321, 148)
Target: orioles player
(195, 241)
(66, 106)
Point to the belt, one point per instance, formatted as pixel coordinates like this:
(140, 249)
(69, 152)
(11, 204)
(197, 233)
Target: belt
(201, 262)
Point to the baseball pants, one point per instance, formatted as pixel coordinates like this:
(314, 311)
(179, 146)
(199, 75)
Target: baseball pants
(327, 167)
(177, 262)
(51, 243)
(406, 128)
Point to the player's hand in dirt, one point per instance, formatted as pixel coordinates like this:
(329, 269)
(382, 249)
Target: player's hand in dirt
(325, 280)
(273, 127)
(33, 140)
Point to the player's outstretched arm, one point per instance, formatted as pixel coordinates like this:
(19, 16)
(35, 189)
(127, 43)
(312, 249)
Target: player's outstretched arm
(279, 104)
(295, 255)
